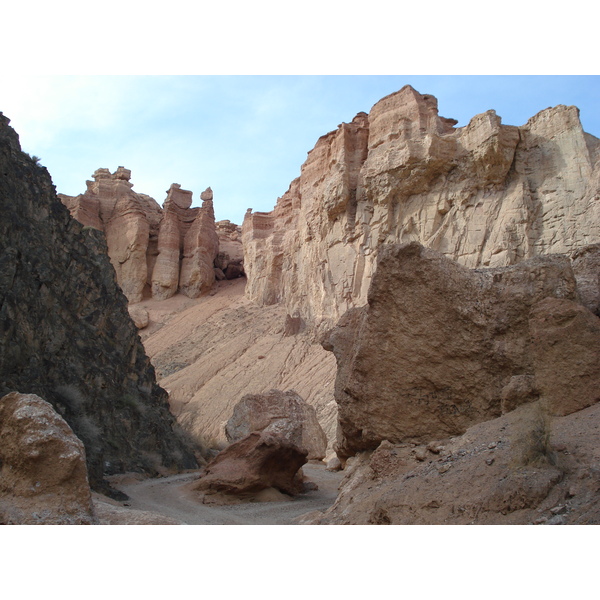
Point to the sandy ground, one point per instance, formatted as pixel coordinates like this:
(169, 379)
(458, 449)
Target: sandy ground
(166, 497)
(210, 351)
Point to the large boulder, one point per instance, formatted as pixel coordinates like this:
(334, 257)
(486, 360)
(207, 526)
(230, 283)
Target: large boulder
(439, 345)
(283, 413)
(43, 475)
(258, 462)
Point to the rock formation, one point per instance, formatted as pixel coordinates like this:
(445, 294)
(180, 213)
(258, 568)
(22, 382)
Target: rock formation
(521, 468)
(43, 475)
(276, 412)
(65, 333)
(219, 348)
(257, 462)
(128, 221)
(200, 248)
(440, 347)
(484, 195)
(229, 263)
(153, 250)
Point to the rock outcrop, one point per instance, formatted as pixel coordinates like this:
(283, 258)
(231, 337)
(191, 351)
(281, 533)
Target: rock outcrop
(484, 195)
(154, 250)
(258, 462)
(65, 333)
(522, 468)
(43, 474)
(440, 347)
(277, 412)
(229, 263)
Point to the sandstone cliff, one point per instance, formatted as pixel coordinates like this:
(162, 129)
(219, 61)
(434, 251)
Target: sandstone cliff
(65, 333)
(154, 250)
(484, 195)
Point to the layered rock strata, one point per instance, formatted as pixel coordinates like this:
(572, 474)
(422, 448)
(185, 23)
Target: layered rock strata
(221, 347)
(484, 195)
(154, 250)
(440, 347)
(65, 333)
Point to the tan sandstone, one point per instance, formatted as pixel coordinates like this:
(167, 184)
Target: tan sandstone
(278, 411)
(484, 195)
(441, 347)
(154, 250)
(43, 473)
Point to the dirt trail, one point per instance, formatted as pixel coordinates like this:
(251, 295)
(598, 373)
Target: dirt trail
(166, 496)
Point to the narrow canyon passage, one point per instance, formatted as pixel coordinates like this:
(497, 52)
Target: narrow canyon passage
(167, 497)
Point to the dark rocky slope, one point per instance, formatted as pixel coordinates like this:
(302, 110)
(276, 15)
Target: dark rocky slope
(65, 333)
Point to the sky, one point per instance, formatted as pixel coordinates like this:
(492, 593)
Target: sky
(245, 136)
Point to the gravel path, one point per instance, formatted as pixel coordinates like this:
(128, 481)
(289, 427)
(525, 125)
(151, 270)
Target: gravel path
(165, 496)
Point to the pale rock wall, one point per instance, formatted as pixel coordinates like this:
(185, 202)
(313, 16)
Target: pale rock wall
(485, 195)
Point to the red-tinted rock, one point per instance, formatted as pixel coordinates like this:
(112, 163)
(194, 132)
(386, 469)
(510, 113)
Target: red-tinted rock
(255, 463)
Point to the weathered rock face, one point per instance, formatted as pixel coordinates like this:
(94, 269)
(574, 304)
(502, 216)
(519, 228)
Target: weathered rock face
(566, 353)
(229, 263)
(282, 413)
(65, 333)
(521, 468)
(441, 347)
(128, 221)
(200, 248)
(43, 475)
(255, 463)
(586, 266)
(485, 195)
(164, 250)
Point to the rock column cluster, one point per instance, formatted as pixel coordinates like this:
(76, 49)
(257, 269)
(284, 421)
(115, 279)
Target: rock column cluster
(154, 250)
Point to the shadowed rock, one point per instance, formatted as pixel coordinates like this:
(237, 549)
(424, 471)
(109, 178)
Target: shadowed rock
(65, 333)
(256, 463)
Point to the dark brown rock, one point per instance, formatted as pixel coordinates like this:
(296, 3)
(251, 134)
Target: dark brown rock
(586, 266)
(257, 462)
(566, 354)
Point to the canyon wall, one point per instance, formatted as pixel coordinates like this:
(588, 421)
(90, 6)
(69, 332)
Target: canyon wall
(484, 195)
(156, 250)
(65, 333)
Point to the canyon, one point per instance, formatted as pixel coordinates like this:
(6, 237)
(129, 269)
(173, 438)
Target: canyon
(427, 296)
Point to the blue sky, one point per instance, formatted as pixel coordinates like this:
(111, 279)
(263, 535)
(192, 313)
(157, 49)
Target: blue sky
(245, 136)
